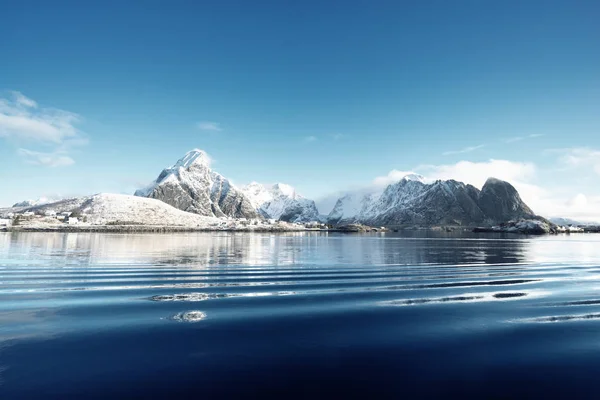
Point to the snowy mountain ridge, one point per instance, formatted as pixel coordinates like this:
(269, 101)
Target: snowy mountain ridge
(281, 202)
(190, 185)
(411, 201)
(38, 202)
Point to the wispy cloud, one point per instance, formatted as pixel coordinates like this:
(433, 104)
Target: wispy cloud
(55, 159)
(309, 139)
(462, 151)
(209, 126)
(337, 136)
(22, 100)
(520, 138)
(23, 121)
(578, 157)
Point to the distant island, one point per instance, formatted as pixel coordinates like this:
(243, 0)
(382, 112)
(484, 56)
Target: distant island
(190, 196)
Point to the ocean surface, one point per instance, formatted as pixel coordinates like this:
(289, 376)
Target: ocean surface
(226, 315)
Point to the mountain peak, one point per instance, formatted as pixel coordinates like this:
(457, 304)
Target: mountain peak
(280, 201)
(414, 177)
(194, 157)
(284, 189)
(190, 185)
(494, 181)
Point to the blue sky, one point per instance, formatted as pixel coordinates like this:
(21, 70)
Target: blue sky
(325, 96)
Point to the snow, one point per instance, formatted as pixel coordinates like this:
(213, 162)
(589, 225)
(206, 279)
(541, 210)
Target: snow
(277, 200)
(190, 168)
(192, 175)
(193, 157)
(361, 206)
(111, 208)
(38, 202)
(414, 177)
(120, 210)
(353, 205)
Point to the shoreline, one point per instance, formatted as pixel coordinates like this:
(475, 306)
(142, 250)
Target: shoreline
(267, 229)
(165, 229)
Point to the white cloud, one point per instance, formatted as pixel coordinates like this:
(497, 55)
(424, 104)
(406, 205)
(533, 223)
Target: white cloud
(209, 126)
(23, 121)
(476, 173)
(579, 157)
(310, 139)
(392, 177)
(545, 190)
(465, 150)
(337, 136)
(46, 159)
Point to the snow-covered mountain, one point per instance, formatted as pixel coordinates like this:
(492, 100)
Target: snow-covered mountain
(352, 206)
(411, 201)
(190, 185)
(361, 205)
(281, 202)
(38, 202)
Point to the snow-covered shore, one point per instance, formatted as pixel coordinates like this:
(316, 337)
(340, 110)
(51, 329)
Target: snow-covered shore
(122, 213)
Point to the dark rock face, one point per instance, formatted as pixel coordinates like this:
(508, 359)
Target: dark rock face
(190, 185)
(411, 202)
(500, 201)
(440, 203)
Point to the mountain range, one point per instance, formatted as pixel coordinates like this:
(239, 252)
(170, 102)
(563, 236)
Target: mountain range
(191, 185)
(411, 201)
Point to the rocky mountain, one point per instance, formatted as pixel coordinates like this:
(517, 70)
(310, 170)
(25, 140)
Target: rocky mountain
(411, 201)
(500, 201)
(190, 185)
(281, 202)
(361, 205)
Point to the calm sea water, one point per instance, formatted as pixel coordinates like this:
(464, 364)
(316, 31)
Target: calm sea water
(298, 315)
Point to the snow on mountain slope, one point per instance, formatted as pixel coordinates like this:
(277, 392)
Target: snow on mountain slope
(190, 185)
(359, 205)
(281, 202)
(110, 208)
(349, 207)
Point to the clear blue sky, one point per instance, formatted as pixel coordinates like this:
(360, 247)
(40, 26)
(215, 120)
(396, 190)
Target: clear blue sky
(321, 95)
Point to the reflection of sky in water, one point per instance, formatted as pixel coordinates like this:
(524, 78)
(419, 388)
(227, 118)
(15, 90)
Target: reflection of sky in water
(66, 299)
(210, 293)
(49, 281)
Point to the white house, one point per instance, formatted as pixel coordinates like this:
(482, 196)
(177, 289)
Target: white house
(50, 213)
(73, 220)
(5, 222)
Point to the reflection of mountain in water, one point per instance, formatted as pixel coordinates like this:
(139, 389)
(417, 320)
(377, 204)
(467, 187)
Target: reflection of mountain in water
(203, 249)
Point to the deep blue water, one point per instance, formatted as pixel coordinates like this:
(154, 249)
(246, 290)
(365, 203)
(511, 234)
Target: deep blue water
(299, 315)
